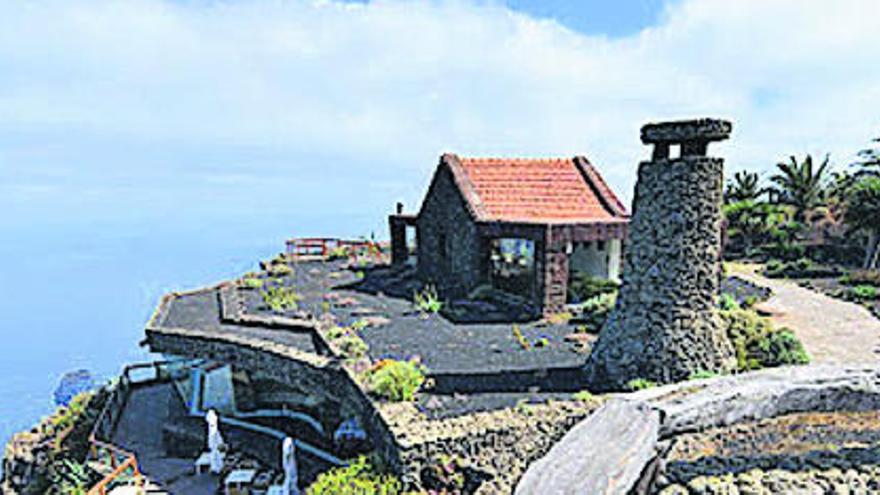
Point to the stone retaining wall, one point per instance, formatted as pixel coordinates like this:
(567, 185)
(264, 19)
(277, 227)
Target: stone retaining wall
(698, 405)
(499, 444)
(317, 375)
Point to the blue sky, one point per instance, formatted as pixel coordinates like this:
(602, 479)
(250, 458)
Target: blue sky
(155, 144)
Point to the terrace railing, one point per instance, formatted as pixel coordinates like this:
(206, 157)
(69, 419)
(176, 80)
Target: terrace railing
(303, 247)
(119, 465)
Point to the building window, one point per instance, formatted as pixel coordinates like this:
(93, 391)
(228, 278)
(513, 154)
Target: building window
(600, 246)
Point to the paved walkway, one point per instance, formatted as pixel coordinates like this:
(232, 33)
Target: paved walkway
(140, 431)
(832, 331)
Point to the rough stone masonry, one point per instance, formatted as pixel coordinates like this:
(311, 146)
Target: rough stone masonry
(665, 325)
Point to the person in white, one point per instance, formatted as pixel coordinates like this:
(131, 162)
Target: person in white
(215, 442)
(288, 460)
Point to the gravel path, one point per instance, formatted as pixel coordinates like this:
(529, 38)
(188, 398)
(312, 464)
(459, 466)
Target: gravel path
(832, 331)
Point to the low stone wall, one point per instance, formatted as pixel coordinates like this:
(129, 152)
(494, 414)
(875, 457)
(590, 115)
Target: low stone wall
(695, 406)
(498, 444)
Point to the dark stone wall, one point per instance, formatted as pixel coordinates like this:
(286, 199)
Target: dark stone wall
(451, 253)
(665, 324)
(332, 384)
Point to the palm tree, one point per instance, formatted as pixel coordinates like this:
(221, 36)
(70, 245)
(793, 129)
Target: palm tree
(800, 185)
(869, 161)
(743, 187)
(863, 214)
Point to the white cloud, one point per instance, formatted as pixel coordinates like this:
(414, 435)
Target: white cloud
(392, 84)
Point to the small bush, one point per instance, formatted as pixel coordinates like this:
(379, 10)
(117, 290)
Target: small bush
(252, 283)
(702, 375)
(358, 478)
(595, 311)
(750, 302)
(280, 299)
(639, 384)
(444, 475)
(427, 300)
(337, 253)
(862, 277)
(359, 325)
(583, 287)
(397, 381)
(336, 332)
(774, 268)
(583, 396)
(862, 293)
(758, 345)
(745, 328)
(351, 346)
(780, 348)
(280, 270)
(727, 302)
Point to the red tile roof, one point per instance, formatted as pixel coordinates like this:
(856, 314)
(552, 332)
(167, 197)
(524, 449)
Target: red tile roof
(554, 190)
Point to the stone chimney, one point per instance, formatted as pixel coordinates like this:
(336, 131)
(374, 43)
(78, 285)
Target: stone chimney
(665, 325)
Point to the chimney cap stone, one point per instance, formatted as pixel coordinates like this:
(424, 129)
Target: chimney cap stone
(683, 131)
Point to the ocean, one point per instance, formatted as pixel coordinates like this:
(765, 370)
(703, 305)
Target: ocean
(76, 295)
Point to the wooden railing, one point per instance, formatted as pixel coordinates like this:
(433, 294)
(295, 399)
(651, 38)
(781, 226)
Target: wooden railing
(122, 464)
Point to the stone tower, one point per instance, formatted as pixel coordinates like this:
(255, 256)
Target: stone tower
(665, 325)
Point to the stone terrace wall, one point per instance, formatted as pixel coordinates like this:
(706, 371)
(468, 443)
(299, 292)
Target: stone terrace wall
(326, 379)
(500, 444)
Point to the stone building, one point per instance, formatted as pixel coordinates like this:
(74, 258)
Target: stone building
(525, 226)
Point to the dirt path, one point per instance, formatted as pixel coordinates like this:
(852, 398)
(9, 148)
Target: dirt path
(833, 331)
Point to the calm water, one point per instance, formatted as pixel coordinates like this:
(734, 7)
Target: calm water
(77, 296)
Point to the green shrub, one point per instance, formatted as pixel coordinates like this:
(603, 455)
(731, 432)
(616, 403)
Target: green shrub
(744, 329)
(444, 475)
(583, 287)
(702, 375)
(639, 384)
(862, 293)
(396, 381)
(337, 253)
(727, 302)
(862, 277)
(252, 282)
(583, 396)
(336, 332)
(774, 268)
(757, 344)
(787, 251)
(595, 310)
(358, 478)
(779, 348)
(280, 299)
(427, 300)
(280, 270)
(351, 346)
(359, 325)
(750, 301)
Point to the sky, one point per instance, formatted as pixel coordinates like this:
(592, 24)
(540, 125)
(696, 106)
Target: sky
(150, 145)
(133, 111)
